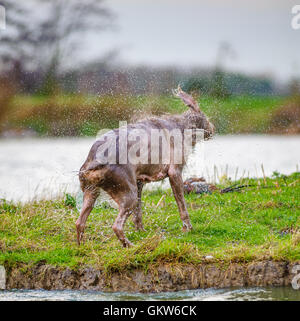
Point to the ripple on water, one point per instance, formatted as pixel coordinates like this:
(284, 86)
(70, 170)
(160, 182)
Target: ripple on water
(241, 294)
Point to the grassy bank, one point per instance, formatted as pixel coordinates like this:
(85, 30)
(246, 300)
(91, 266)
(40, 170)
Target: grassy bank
(260, 222)
(81, 115)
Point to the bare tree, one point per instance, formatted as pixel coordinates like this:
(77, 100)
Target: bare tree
(47, 33)
(218, 77)
(16, 41)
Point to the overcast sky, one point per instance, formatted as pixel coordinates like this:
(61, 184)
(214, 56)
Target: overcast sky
(188, 32)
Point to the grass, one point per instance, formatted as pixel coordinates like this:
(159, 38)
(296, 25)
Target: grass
(83, 115)
(261, 222)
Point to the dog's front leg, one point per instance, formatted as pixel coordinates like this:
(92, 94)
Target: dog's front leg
(176, 182)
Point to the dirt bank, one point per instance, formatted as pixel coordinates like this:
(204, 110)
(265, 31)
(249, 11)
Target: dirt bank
(163, 278)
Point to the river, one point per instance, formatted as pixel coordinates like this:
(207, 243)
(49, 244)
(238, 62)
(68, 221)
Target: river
(241, 294)
(45, 168)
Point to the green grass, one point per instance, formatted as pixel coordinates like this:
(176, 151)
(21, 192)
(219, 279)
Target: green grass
(254, 224)
(84, 115)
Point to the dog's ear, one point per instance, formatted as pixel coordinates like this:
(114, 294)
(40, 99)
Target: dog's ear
(187, 99)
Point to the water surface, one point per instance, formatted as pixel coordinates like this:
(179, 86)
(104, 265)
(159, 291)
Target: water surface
(44, 168)
(241, 294)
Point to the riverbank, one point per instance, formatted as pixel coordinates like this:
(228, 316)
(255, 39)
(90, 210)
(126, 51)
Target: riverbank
(161, 279)
(83, 115)
(235, 236)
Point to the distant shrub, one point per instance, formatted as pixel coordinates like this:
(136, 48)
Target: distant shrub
(6, 94)
(286, 119)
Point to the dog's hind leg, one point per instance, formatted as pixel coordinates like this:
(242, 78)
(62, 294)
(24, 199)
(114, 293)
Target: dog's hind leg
(89, 198)
(127, 205)
(137, 214)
